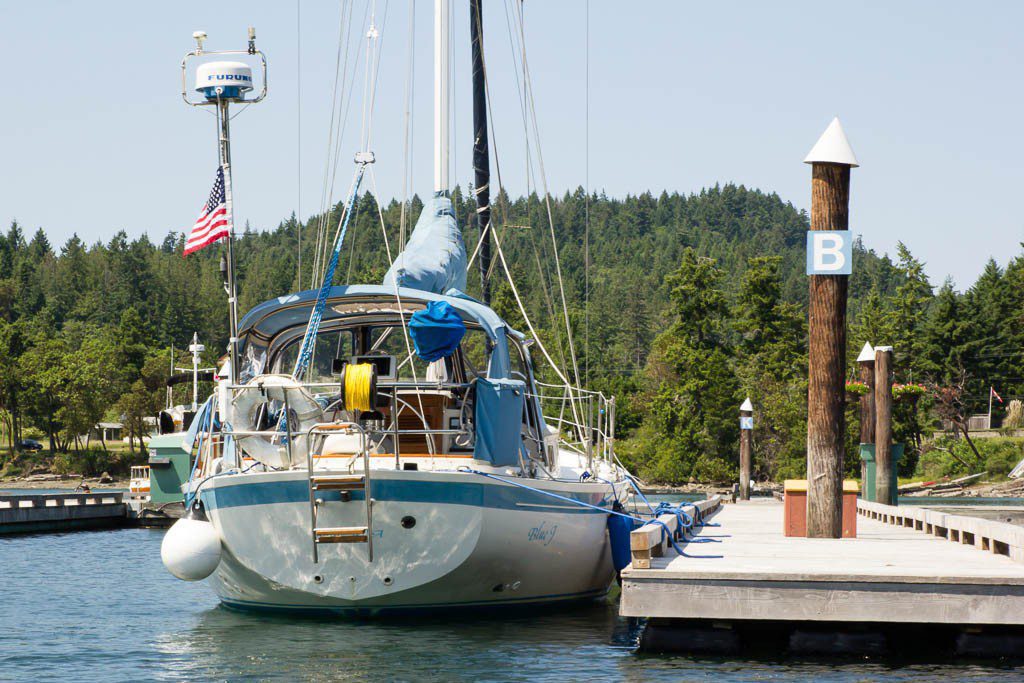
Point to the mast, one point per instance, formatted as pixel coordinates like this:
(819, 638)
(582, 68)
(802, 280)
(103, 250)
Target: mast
(441, 93)
(481, 151)
(197, 349)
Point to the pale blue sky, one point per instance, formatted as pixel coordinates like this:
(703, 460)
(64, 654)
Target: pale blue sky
(683, 95)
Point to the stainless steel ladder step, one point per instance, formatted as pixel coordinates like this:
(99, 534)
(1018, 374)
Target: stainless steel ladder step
(342, 534)
(343, 482)
(338, 482)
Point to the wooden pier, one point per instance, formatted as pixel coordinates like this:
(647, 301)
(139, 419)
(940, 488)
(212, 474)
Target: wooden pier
(909, 565)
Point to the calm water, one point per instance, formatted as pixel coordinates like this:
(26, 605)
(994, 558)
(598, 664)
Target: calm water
(99, 606)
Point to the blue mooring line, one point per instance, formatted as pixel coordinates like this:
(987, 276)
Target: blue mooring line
(666, 533)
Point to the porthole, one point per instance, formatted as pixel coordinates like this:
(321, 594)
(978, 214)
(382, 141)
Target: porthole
(408, 522)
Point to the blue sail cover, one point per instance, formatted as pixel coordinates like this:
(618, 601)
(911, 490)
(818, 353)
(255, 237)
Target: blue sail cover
(436, 331)
(434, 260)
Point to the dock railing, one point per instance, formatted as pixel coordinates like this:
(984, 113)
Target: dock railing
(988, 535)
(651, 539)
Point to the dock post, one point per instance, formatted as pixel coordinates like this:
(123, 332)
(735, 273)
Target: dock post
(746, 447)
(884, 490)
(828, 265)
(866, 374)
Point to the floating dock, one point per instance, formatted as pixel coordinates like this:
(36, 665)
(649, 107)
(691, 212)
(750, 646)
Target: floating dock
(908, 565)
(34, 513)
(58, 512)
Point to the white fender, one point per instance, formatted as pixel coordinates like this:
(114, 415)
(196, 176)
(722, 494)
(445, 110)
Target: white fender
(191, 549)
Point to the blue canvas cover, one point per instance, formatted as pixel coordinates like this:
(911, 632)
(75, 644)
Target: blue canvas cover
(436, 331)
(434, 260)
(499, 420)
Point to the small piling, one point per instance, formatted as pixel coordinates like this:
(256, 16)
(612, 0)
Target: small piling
(746, 447)
(884, 490)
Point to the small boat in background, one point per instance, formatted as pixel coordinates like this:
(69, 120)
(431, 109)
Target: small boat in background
(138, 484)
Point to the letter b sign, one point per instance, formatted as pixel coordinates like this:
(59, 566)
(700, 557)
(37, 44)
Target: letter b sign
(829, 252)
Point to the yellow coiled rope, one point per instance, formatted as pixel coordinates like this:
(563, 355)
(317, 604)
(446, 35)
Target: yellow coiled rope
(359, 389)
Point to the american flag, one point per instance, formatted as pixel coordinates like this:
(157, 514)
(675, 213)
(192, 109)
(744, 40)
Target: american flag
(213, 223)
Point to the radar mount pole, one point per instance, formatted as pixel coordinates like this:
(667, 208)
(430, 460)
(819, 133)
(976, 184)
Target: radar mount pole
(222, 83)
(224, 137)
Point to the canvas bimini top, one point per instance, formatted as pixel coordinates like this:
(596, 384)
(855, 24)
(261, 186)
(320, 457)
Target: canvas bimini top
(265, 322)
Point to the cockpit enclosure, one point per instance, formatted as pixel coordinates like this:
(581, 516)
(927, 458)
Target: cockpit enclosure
(480, 402)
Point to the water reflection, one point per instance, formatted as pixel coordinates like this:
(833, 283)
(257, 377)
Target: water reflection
(99, 605)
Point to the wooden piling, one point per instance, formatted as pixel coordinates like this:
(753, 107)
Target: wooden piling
(883, 426)
(826, 391)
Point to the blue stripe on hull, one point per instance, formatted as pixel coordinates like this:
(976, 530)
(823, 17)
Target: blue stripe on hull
(370, 610)
(407, 491)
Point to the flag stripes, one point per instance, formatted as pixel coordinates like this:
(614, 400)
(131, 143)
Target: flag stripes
(213, 223)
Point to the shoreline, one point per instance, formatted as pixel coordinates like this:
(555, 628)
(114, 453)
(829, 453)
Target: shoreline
(61, 481)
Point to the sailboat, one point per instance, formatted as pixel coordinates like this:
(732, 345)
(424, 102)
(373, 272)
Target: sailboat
(383, 447)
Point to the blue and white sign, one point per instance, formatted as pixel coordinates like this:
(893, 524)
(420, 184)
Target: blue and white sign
(746, 422)
(829, 252)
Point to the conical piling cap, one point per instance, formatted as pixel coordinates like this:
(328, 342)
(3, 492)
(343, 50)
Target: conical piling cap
(747, 405)
(832, 147)
(867, 354)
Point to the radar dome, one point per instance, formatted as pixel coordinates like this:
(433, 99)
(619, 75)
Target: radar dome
(226, 80)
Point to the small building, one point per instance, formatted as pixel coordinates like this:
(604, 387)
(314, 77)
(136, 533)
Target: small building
(107, 431)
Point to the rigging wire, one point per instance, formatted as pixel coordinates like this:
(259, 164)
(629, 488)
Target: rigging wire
(514, 49)
(298, 137)
(586, 196)
(374, 41)
(502, 208)
(326, 195)
(407, 150)
(547, 204)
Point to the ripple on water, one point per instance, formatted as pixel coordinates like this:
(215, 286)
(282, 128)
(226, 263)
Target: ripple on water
(100, 606)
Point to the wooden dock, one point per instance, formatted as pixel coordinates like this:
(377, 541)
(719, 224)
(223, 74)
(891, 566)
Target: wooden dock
(32, 513)
(908, 565)
(42, 512)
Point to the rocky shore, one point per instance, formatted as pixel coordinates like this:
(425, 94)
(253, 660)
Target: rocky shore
(61, 481)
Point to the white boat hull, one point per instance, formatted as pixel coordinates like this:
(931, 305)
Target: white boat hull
(467, 540)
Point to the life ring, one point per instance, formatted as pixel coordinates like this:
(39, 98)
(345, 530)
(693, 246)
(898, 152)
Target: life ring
(252, 407)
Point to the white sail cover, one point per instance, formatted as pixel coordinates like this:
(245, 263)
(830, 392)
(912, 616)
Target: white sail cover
(434, 260)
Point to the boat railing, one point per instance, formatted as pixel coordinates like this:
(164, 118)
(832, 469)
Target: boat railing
(397, 405)
(585, 419)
